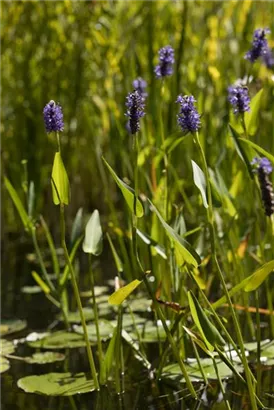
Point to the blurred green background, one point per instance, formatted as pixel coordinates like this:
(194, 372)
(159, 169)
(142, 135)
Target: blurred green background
(85, 56)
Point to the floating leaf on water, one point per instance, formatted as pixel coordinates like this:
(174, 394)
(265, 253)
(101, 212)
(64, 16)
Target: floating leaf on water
(140, 305)
(8, 327)
(193, 369)
(46, 357)
(57, 384)
(267, 348)
(128, 321)
(74, 317)
(105, 327)
(149, 332)
(34, 336)
(98, 290)
(4, 364)
(6, 347)
(59, 340)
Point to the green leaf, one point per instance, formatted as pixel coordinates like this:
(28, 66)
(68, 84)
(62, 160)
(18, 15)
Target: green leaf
(93, 242)
(251, 117)
(244, 152)
(18, 204)
(6, 347)
(149, 241)
(108, 359)
(259, 276)
(41, 283)
(136, 348)
(258, 148)
(150, 332)
(57, 384)
(77, 227)
(45, 357)
(59, 340)
(208, 331)
(121, 294)
(11, 326)
(59, 181)
(183, 251)
(127, 191)
(4, 364)
(74, 317)
(199, 181)
(106, 330)
(65, 275)
(118, 262)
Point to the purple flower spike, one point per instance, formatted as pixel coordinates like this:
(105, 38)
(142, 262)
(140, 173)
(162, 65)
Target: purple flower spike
(263, 168)
(166, 61)
(140, 85)
(263, 163)
(135, 111)
(239, 98)
(268, 58)
(53, 117)
(259, 45)
(188, 117)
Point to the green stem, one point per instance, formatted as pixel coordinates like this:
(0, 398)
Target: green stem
(221, 277)
(96, 316)
(258, 337)
(199, 361)
(55, 263)
(220, 383)
(40, 259)
(170, 339)
(78, 299)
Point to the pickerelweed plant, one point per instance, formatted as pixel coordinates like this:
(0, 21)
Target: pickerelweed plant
(158, 254)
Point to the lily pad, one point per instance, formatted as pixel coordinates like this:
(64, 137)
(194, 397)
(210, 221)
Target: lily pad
(59, 340)
(57, 384)
(193, 369)
(150, 333)
(6, 347)
(140, 305)
(98, 290)
(128, 322)
(4, 364)
(46, 357)
(8, 327)
(74, 317)
(106, 330)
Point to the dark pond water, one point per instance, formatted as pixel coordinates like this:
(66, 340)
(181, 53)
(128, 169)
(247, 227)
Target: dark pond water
(141, 391)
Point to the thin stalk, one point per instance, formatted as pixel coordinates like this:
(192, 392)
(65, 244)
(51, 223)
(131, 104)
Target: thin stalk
(41, 262)
(220, 383)
(77, 297)
(55, 263)
(222, 280)
(199, 361)
(258, 338)
(96, 316)
(170, 339)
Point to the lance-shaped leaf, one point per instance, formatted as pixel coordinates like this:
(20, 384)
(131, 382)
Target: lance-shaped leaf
(258, 148)
(259, 276)
(128, 193)
(207, 330)
(121, 294)
(199, 181)
(18, 204)
(251, 117)
(77, 227)
(93, 242)
(244, 152)
(183, 251)
(59, 181)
